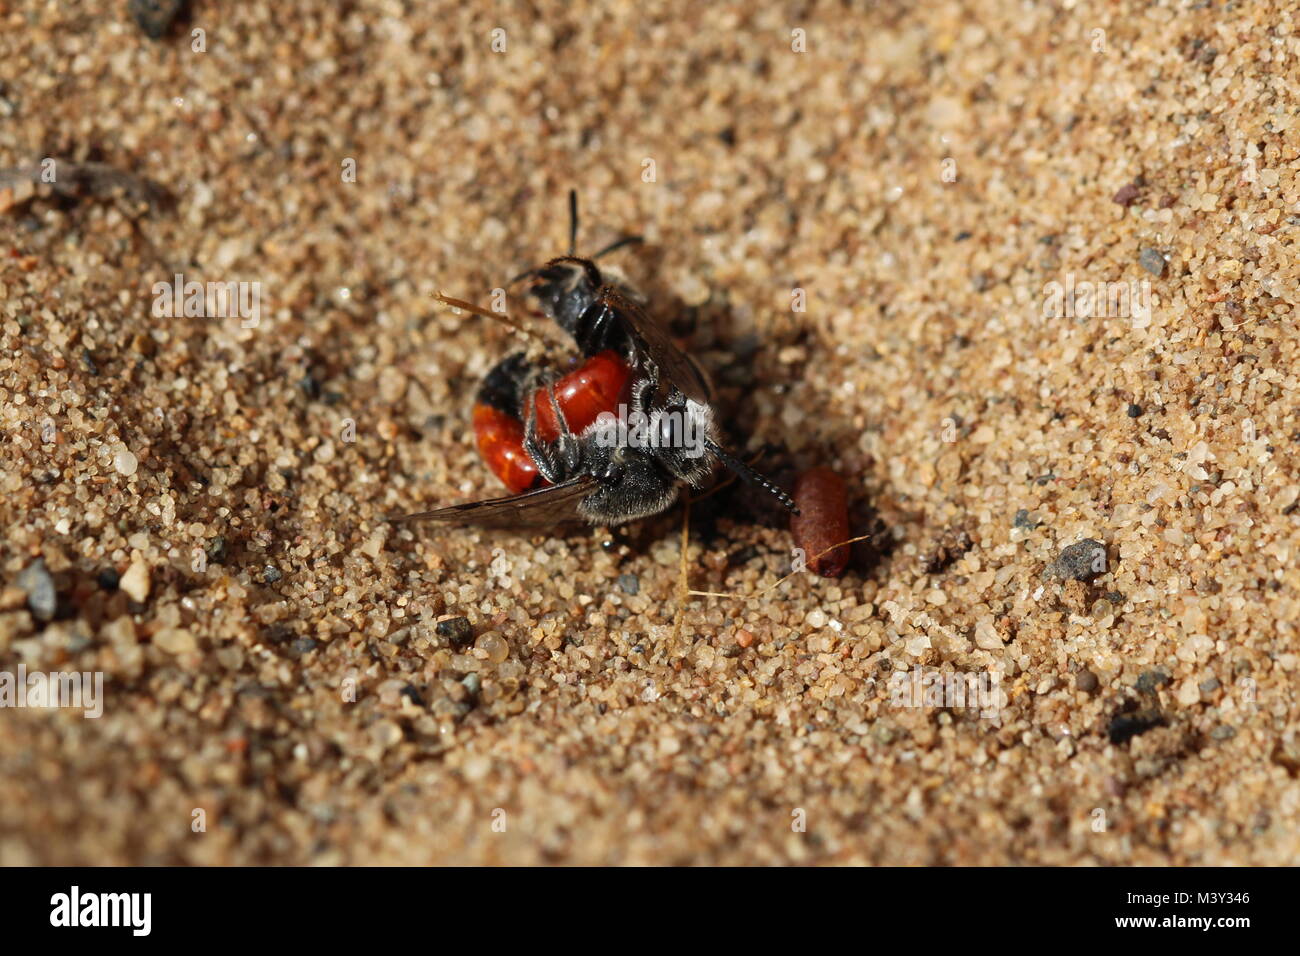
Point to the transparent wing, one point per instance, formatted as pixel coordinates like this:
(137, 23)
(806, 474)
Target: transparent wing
(651, 341)
(543, 507)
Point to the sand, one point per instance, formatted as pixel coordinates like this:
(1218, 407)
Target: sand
(876, 244)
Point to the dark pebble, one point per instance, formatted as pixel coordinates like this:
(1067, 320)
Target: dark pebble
(303, 644)
(1127, 195)
(1151, 260)
(271, 574)
(1223, 732)
(1080, 562)
(630, 583)
(1149, 681)
(457, 630)
(1209, 685)
(1086, 681)
(1135, 411)
(41, 596)
(154, 17)
(1024, 520)
(310, 386)
(108, 579)
(216, 550)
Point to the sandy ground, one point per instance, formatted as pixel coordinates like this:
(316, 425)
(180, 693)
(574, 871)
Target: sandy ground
(195, 509)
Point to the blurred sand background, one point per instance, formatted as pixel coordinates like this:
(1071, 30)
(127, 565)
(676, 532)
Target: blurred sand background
(921, 173)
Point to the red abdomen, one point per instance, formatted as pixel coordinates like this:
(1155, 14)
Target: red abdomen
(501, 443)
(600, 384)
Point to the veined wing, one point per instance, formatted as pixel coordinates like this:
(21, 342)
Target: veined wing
(542, 507)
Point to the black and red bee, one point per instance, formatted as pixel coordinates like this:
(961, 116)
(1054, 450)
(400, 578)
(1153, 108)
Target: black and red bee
(612, 440)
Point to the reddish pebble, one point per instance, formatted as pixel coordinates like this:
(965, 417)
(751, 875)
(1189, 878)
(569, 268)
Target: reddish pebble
(823, 521)
(744, 638)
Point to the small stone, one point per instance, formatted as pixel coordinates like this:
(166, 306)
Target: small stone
(1135, 411)
(12, 598)
(1151, 260)
(1086, 681)
(35, 580)
(986, 636)
(472, 683)
(1149, 681)
(125, 462)
(386, 734)
(120, 633)
(392, 385)
(1024, 520)
(271, 574)
(109, 579)
(216, 550)
(456, 630)
(175, 640)
(744, 638)
(494, 646)
(1127, 194)
(135, 583)
(630, 583)
(1223, 732)
(1079, 562)
(917, 645)
(154, 17)
(1209, 685)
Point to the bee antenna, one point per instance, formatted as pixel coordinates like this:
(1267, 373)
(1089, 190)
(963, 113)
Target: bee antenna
(573, 220)
(523, 275)
(750, 476)
(619, 244)
(494, 316)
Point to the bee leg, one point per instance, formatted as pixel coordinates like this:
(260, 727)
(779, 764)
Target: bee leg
(642, 392)
(549, 465)
(597, 329)
(569, 449)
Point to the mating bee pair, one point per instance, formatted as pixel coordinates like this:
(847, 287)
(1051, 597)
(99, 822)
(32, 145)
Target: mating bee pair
(562, 445)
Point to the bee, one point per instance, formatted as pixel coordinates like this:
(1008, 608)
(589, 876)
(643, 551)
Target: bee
(611, 441)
